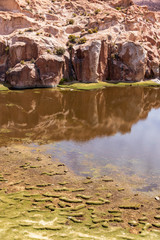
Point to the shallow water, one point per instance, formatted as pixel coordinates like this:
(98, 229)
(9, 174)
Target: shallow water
(93, 132)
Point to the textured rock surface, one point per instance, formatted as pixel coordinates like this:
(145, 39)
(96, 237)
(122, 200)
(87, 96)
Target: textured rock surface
(111, 40)
(152, 4)
(50, 69)
(23, 76)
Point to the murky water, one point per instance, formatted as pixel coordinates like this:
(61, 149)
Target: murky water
(93, 132)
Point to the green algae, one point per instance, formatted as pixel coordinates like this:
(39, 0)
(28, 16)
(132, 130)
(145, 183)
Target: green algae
(4, 87)
(50, 207)
(75, 220)
(61, 189)
(79, 214)
(157, 225)
(95, 202)
(78, 190)
(147, 226)
(101, 85)
(43, 185)
(42, 200)
(109, 195)
(105, 225)
(20, 220)
(116, 219)
(62, 183)
(94, 226)
(83, 196)
(54, 228)
(114, 211)
(133, 223)
(51, 195)
(107, 180)
(97, 220)
(63, 205)
(104, 200)
(121, 189)
(133, 207)
(70, 200)
(78, 207)
(87, 181)
(5, 130)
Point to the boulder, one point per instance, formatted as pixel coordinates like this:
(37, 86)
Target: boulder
(128, 62)
(50, 68)
(23, 76)
(86, 61)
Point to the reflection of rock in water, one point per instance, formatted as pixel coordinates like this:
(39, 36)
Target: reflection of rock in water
(50, 115)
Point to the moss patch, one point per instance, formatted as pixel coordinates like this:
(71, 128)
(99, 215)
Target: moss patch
(59, 212)
(3, 87)
(100, 85)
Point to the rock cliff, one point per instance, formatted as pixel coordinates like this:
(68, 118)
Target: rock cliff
(43, 41)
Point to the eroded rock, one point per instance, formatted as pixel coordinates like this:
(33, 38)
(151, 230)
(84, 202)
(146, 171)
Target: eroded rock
(114, 40)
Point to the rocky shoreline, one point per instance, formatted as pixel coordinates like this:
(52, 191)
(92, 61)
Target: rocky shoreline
(61, 204)
(87, 41)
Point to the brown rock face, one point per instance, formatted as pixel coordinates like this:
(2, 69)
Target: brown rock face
(103, 61)
(86, 62)
(153, 5)
(3, 58)
(122, 41)
(122, 3)
(45, 72)
(50, 70)
(9, 5)
(128, 62)
(22, 51)
(13, 22)
(23, 76)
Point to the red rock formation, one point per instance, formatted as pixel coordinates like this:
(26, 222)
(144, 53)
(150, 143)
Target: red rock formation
(50, 70)
(153, 5)
(123, 41)
(23, 76)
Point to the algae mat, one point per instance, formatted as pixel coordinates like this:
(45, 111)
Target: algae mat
(42, 199)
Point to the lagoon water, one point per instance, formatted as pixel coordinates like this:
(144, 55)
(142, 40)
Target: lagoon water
(93, 132)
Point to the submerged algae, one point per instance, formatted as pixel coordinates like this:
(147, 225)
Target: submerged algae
(100, 85)
(43, 213)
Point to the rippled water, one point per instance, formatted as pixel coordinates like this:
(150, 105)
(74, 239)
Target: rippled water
(93, 132)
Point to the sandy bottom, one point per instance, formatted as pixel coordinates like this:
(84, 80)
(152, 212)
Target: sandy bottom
(42, 199)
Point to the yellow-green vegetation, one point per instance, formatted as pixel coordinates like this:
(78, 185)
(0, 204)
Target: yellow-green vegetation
(20, 220)
(3, 87)
(100, 85)
(46, 212)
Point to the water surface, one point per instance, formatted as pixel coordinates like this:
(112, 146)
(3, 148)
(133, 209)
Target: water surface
(93, 132)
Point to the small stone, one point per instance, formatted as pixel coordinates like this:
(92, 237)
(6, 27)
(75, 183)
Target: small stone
(133, 223)
(157, 198)
(108, 195)
(121, 189)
